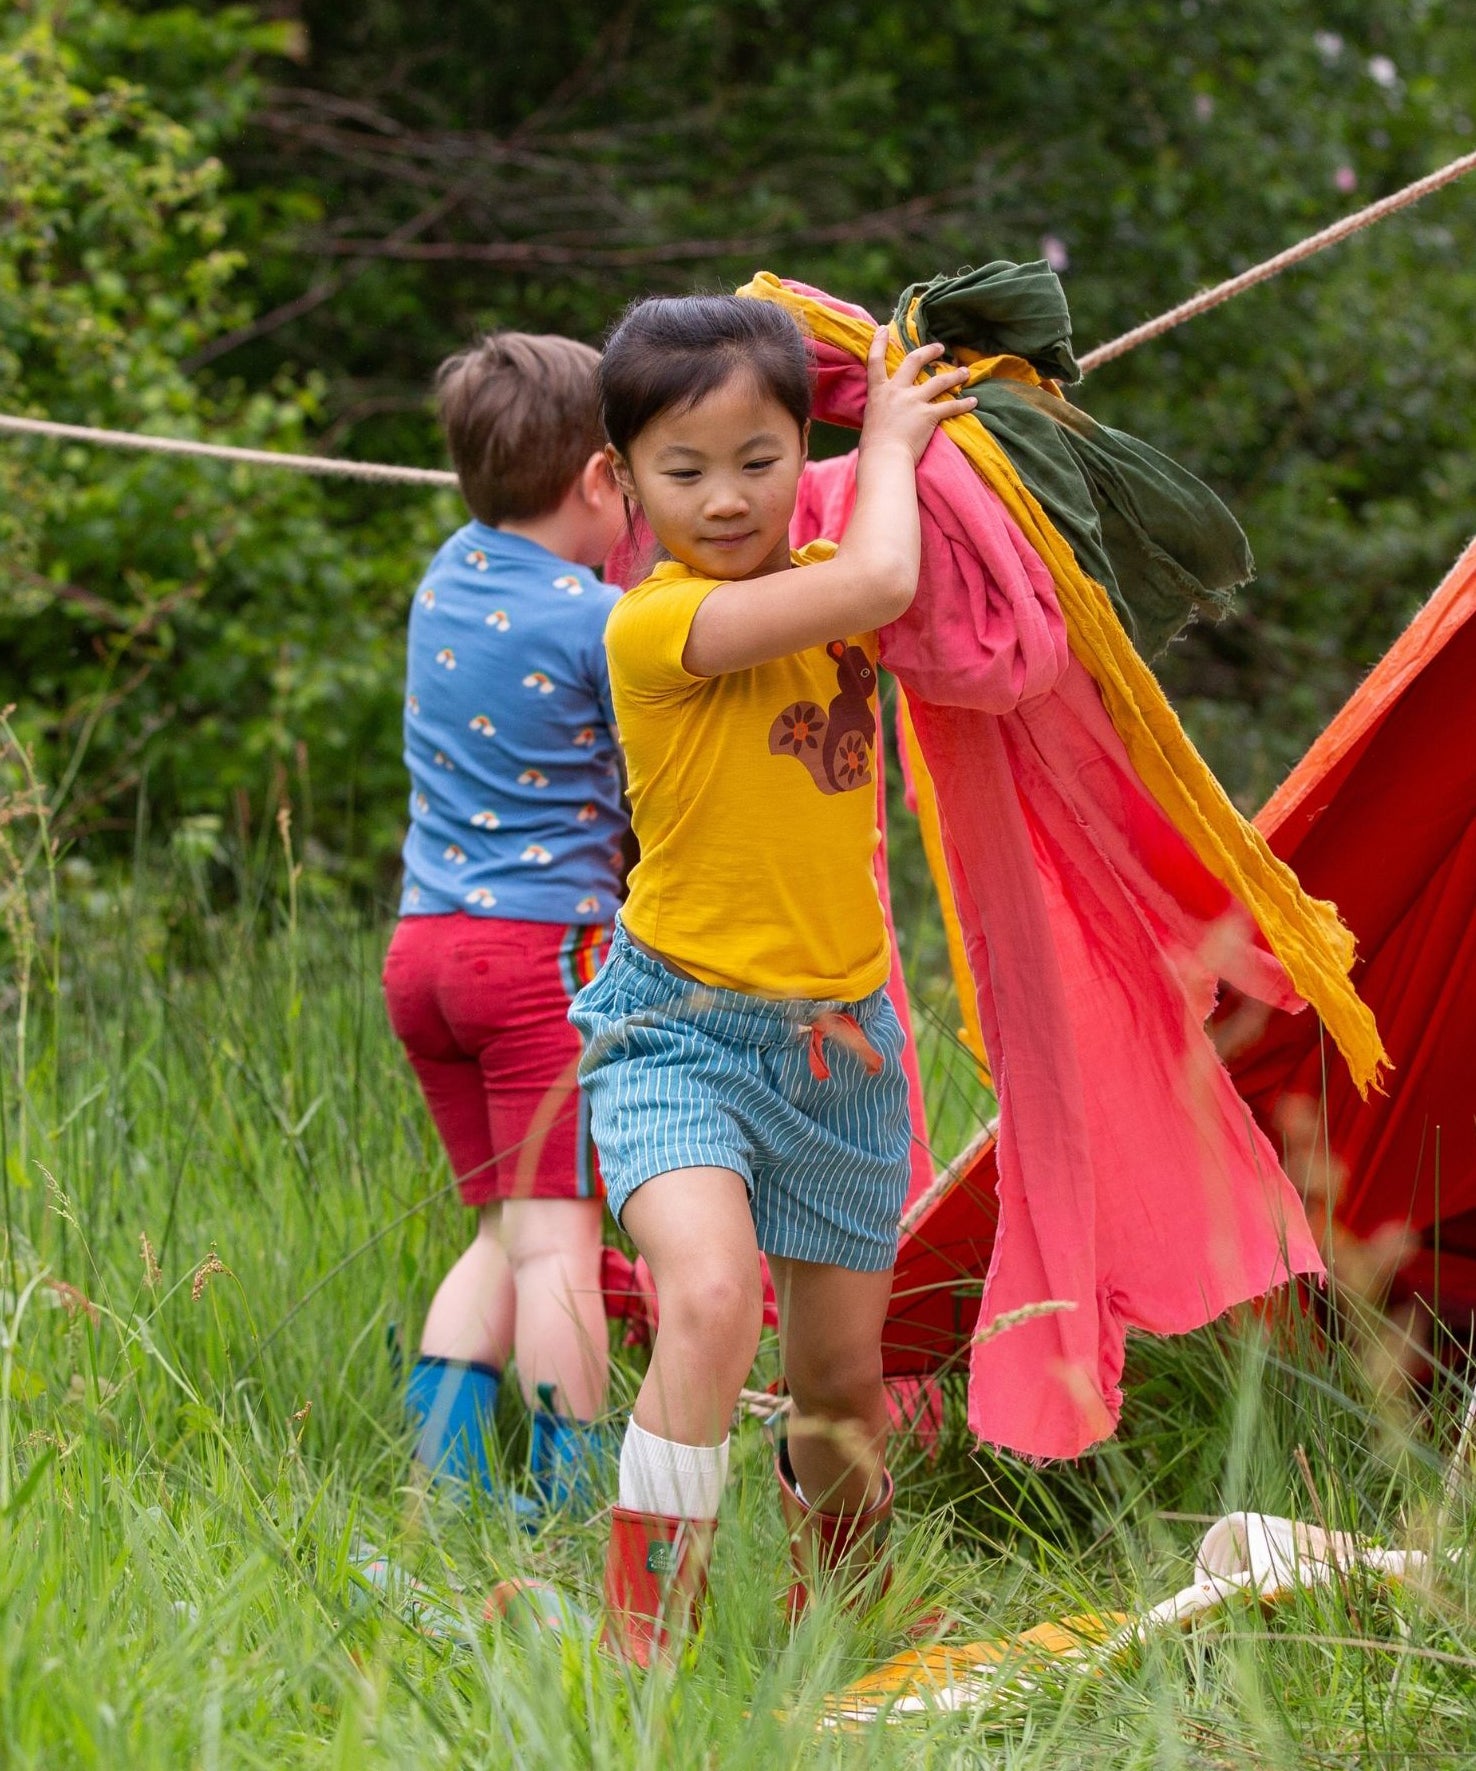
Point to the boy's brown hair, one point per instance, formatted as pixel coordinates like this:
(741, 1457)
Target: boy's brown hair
(521, 414)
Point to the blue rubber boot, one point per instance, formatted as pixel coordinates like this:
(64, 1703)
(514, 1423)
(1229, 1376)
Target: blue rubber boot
(453, 1402)
(572, 1460)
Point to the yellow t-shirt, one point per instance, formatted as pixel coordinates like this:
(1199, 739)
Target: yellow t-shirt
(753, 796)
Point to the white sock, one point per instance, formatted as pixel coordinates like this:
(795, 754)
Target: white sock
(677, 1481)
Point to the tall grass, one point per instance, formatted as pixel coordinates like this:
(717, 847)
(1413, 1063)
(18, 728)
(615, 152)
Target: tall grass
(220, 1192)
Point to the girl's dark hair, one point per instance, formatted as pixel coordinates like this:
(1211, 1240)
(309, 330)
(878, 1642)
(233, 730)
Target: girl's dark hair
(673, 350)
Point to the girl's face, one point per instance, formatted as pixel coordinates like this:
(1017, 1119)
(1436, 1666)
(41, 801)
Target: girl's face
(717, 482)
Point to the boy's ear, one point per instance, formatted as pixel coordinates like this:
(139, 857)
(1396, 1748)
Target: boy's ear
(596, 478)
(620, 469)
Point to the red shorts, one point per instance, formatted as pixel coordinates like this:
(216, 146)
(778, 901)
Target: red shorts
(481, 1007)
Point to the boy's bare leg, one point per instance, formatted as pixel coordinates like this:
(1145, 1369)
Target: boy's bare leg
(830, 1329)
(695, 1229)
(553, 1248)
(471, 1315)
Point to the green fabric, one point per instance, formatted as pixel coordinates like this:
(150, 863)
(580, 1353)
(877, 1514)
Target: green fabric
(1001, 309)
(1160, 543)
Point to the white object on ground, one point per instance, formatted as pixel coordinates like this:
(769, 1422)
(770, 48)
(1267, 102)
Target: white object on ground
(1258, 1553)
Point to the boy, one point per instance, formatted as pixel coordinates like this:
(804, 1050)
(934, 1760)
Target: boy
(513, 868)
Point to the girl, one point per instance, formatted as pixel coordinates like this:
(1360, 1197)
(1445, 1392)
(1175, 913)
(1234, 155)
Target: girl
(741, 1053)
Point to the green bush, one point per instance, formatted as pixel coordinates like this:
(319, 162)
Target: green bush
(213, 635)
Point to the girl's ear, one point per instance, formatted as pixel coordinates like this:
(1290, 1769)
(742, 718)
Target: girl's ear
(620, 468)
(805, 441)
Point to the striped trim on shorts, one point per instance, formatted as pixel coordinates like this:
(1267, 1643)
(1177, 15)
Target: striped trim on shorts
(580, 956)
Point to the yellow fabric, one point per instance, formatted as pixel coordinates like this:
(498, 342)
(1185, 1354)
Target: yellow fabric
(931, 828)
(756, 868)
(1305, 933)
(946, 1664)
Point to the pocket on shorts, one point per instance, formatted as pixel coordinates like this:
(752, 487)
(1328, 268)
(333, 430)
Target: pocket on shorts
(596, 1008)
(889, 1089)
(888, 1033)
(617, 1025)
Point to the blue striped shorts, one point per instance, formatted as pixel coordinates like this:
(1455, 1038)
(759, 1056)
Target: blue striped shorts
(683, 1075)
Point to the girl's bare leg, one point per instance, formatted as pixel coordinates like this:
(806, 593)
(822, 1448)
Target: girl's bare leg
(830, 1331)
(695, 1230)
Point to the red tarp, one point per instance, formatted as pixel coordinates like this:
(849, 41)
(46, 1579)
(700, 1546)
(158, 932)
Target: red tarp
(1379, 816)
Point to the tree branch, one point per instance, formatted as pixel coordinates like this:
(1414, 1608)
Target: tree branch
(887, 223)
(319, 292)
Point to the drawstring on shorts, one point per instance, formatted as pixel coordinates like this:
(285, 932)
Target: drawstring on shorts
(846, 1031)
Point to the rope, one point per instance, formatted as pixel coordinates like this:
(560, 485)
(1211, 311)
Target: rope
(1104, 353)
(318, 464)
(1319, 242)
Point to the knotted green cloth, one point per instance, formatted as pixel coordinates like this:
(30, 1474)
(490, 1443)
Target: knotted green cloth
(999, 310)
(1160, 543)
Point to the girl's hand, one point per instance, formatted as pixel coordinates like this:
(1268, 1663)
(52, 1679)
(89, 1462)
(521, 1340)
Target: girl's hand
(907, 406)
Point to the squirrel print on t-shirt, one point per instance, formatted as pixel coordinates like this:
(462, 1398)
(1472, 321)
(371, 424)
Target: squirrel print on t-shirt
(833, 743)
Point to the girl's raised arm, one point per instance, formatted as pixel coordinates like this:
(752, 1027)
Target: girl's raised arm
(873, 576)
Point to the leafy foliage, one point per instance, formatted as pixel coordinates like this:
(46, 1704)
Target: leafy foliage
(1149, 146)
(388, 190)
(199, 627)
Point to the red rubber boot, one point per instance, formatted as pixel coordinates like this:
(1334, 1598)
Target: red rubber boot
(655, 1581)
(840, 1548)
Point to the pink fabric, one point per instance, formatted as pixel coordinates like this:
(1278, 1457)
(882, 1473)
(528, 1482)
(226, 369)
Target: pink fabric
(827, 495)
(1133, 1184)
